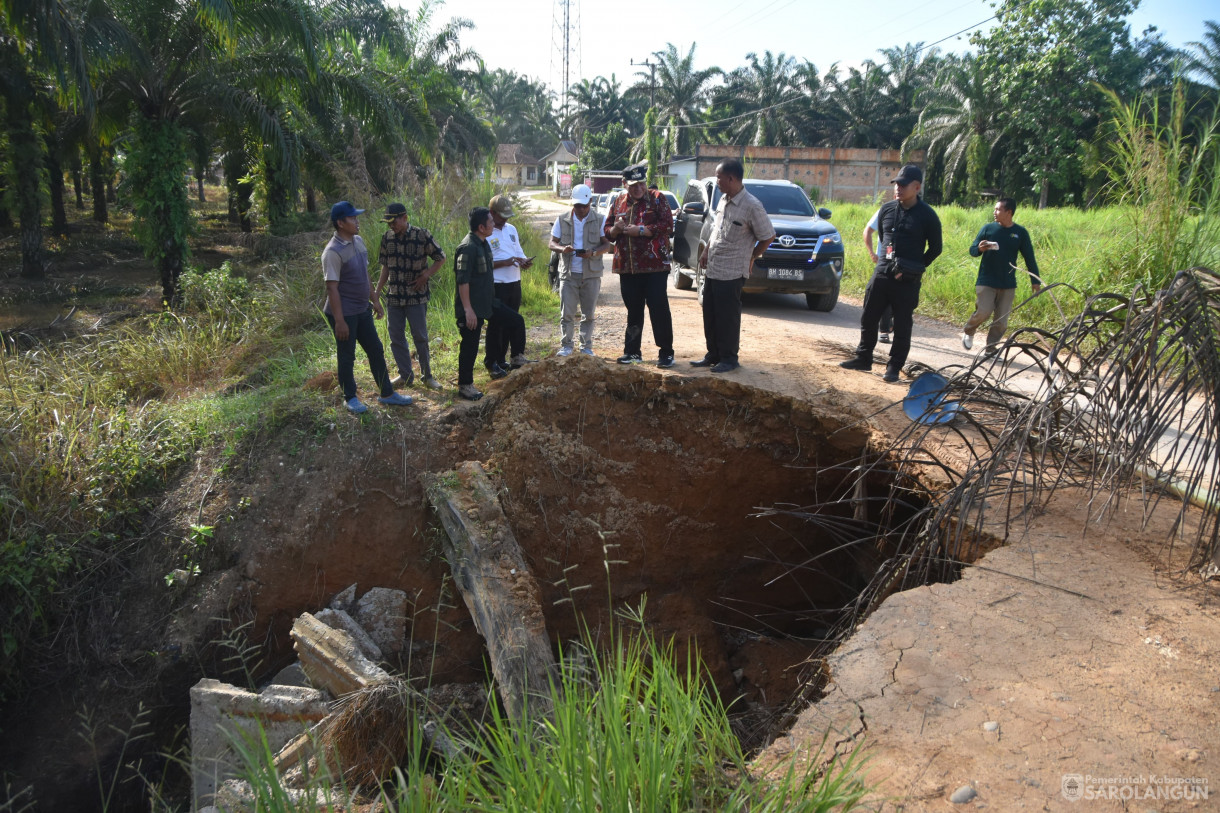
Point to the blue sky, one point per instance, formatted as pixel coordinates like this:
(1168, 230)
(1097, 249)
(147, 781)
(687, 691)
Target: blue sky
(518, 34)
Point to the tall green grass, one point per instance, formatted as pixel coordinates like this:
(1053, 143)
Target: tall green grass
(1071, 245)
(1166, 177)
(633, 729)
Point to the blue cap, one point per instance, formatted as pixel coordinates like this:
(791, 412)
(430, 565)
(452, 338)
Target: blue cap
(343, 209)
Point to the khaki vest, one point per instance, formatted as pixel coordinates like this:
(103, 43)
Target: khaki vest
(594, 224)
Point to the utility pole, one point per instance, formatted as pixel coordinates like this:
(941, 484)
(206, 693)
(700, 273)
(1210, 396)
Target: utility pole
(652, 79)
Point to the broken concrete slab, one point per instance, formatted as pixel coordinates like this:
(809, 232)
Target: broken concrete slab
(340, 620)
(332, 659)
(222, 714)
(291, 675)
(383, 612)
(345, 599)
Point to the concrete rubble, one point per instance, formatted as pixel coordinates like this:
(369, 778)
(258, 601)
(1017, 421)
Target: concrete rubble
(340, 620)
(337, 654)
(332, 659)
(222, 716)
(383, 612)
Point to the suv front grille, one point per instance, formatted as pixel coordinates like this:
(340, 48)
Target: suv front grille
(801, 244)
(801, 252)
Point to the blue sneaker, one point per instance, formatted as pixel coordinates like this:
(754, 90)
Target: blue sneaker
(356, 406)
(397, 399)
(588, 351)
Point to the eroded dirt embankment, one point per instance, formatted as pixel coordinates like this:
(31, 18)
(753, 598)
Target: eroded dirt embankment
(624, 487)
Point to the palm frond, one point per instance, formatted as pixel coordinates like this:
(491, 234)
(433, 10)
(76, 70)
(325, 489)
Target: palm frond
(1125, 397)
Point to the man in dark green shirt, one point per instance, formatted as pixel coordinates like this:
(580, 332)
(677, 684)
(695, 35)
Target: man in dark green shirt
(476, 302)
(998, 244)
(475, 295)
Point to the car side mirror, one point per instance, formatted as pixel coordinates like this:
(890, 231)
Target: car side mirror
(693, 208)
(824, 213)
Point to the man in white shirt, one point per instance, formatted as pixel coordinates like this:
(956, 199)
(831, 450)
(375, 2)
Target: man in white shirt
(507, 262)
(579, 238)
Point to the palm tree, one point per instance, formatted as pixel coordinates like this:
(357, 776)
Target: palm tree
(46, 47)
(594, 104)
(1205, 55)
(681, 96)
(911, 69)
(860, 107)
(958, 123)
(768, 97)
(518, 110)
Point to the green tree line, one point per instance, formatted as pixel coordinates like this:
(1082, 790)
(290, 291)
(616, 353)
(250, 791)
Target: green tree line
(1023, 112)
(294, 98)
(301, 99)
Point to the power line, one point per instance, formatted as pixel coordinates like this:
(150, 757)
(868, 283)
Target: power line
(956, 33)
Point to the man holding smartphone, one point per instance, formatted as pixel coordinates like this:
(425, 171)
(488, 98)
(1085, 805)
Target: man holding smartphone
(640, 223)
(998, 244)
(579, 240)
(508, 260)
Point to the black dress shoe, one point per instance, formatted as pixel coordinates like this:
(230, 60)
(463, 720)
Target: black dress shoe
(856, 364)
(891, 375)
(725, 367)
(704, 362)
(496, 371)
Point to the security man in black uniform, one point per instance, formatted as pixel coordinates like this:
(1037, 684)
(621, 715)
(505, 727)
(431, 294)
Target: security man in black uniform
(908, 231)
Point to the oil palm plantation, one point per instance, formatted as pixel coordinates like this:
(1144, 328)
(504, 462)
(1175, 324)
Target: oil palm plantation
(859, 105)
(597, 103)
(47, 48)
(911, 69)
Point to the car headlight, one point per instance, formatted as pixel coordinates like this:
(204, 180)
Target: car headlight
(831, 238)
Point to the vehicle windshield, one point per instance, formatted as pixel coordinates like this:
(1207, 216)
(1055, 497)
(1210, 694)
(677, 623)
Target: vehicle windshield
(777, 200)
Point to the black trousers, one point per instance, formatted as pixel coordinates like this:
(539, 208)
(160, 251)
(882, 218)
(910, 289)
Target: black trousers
(885, 292)
(511, 333)
(649, 289)
(722, 318)
(468, 350)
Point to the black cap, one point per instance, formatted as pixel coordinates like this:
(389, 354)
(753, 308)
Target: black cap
(393, 212)
(910, 172)
(635, 173)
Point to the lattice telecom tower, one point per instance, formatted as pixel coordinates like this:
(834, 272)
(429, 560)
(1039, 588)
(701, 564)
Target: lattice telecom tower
(565, 41)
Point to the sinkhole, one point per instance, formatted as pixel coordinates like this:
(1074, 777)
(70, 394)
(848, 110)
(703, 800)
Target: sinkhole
(625, 488)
